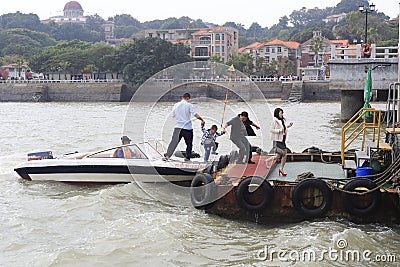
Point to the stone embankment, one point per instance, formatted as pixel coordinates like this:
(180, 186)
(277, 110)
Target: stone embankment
(116, 91)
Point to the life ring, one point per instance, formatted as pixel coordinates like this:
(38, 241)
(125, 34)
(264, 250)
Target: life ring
(298, 197)
(366, 49)
(202, 191)
(258, 199)
(349, 201)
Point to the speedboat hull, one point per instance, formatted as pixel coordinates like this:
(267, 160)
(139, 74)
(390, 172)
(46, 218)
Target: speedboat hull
(107, 170)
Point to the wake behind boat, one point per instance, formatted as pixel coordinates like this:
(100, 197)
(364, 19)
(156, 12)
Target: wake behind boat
(145, 164)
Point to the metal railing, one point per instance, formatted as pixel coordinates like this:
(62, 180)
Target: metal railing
(232, 79)
(356, 52)
(62, 81)
(200, 43)
(357, 129)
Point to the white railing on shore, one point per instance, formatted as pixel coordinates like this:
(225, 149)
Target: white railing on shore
(63, 81)
(235, 79)
(356, 52)
(316, 78)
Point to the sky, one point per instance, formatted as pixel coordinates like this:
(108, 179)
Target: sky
(264, 12)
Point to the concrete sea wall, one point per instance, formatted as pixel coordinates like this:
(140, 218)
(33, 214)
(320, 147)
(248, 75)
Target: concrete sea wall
(119, 92)
(68, 92)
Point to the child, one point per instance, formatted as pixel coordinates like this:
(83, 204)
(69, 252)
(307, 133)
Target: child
(208, 140)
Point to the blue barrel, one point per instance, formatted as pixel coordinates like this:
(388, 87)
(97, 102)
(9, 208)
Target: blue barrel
(363, 171)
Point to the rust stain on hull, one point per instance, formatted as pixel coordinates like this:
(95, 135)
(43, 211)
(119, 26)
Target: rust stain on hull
(281, 210)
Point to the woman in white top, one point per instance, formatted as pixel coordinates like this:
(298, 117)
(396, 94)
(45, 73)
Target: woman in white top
(278, 135)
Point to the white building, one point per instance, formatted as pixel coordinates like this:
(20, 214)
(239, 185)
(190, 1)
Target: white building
(73, 13)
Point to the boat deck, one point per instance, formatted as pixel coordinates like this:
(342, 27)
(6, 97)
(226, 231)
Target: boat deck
(319, 169)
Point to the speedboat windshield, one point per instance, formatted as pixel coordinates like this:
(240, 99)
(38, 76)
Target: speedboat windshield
(149, 150)
(132, 151)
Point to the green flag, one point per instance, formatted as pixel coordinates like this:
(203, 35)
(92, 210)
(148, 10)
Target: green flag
(368, 91)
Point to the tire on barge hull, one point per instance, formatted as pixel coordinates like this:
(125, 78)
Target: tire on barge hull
(298, 197)
(258, 199)
(202, 191)
(349, 201)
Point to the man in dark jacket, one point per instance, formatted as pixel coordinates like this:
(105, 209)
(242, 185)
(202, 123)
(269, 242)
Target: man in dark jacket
(238, 137)
(248, 124)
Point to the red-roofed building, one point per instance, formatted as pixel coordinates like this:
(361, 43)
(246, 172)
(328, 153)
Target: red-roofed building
(16, 71)
(278, 50)
(203, 43)
(250, 49)
(219, 41)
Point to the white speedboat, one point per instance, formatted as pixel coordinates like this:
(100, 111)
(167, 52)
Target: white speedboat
(144, 165)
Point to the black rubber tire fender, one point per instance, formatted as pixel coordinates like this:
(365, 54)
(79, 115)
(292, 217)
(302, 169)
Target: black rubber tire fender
(242, 193)
(209, 169)
(297, 197)
(347, 199)
(223, 162)
(202, 191)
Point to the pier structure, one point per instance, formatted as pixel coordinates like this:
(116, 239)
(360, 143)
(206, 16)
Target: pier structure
(348, 68)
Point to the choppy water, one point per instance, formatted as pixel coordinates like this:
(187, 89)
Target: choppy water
(54, 224)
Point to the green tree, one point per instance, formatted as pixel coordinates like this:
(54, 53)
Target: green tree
(288, 67)
(259, 64)
(126, 20)
(243, 62)
(95, 23)
(255, 32)
(125, 31)
(271, 69)
(64, 65)
(23, 42)
(70, 31)
(215, 58)
(316, 47)
(90, 68)
(142, 58)
(347, 6)
(20, 20)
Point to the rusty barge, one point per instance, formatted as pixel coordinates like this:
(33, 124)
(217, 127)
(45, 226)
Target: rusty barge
(319, 184)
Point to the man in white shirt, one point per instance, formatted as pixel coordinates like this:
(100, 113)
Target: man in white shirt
(182, 112)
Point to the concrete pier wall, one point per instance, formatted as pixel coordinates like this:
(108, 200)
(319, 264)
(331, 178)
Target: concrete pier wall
(348, 75)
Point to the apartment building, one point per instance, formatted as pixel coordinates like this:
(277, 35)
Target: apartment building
(219, 41)
(275, 50)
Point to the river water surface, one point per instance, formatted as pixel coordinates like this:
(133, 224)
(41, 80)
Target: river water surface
(55, 224)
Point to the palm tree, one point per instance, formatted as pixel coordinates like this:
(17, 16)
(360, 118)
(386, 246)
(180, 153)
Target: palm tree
(90, 68)
(288, 67)
(259, 63)
(316, 47)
